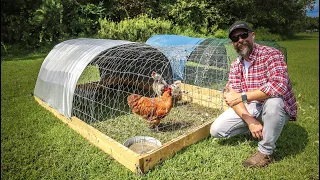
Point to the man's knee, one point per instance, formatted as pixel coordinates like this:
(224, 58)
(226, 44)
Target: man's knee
(215, 129)
(274, 106)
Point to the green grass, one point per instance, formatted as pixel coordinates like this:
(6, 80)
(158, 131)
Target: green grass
(37, 145)
(183, 118)
(90, 74)
(194, 64)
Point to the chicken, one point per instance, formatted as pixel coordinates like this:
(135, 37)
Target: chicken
(176, 90)
(158, 84)
(151, 109)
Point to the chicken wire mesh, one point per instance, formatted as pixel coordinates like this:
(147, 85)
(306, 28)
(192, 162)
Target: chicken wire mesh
(115, 73)
(101, 95)
(210, 64)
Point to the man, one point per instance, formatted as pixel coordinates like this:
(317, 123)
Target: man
(259, 94)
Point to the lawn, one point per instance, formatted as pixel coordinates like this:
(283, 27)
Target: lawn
(37, 145)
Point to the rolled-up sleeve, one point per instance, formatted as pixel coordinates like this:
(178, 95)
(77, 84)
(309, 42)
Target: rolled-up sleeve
(277, 76)
(234, 80)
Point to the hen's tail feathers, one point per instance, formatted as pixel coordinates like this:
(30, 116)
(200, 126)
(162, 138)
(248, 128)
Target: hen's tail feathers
(133, 100)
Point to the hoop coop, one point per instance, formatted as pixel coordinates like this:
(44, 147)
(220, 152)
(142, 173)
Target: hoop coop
(87, 83)
(199, 61)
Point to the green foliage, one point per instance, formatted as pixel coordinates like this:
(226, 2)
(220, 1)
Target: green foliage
(186, 31)
(48, 21)
(15, 27)
(52, 21)
(36, 23)
(142, 28)
(196, 14)
(264, 35)
(84, 21)
(124, 9)
(3, 48)
(137, 29)
(220, 33)
(267, 13)
(312, 23)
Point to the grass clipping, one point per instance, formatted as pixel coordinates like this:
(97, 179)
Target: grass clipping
(183, 117)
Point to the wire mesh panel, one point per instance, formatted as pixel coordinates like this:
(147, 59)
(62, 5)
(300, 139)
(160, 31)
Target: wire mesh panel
(101, 95)
(208, 64)
(205, 70)
(107, 81)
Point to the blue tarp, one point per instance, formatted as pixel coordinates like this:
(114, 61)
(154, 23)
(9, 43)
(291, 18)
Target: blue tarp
(177, 57)
(172, 40)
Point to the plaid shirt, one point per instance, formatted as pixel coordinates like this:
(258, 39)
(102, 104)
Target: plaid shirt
(268, 73)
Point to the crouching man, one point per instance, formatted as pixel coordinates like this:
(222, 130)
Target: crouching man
(259, 94)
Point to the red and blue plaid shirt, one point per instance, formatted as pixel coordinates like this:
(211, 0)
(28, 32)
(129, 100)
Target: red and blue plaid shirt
(268, 73)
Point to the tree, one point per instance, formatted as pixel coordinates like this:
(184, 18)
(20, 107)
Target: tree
(14, 16)
(199, 15)
(278, 16)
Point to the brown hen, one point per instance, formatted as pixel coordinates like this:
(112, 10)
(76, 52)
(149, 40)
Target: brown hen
(151, 109)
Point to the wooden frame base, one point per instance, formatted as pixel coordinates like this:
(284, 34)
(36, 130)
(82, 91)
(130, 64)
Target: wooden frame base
(130, 159)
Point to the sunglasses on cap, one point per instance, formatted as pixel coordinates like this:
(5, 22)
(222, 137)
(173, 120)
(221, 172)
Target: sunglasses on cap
(243, 35)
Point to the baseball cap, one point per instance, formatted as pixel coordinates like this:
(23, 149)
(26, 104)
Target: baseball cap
(239, 25)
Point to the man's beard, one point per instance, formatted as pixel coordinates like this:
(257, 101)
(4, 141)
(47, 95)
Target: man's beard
(244, 49)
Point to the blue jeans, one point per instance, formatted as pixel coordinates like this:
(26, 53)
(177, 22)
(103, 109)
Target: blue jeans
(271, 115)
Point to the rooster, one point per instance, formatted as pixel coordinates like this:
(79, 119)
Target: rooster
(158, 83)
(152, 109)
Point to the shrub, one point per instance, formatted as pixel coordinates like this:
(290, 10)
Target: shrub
(263, 34)
(221, 34)
(136, 29)
(186, 31)
(141, 28)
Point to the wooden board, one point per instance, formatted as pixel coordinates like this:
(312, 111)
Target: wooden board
(169, 149)
(200, 90)
(143, 163)
(116, 150)
(204, 96)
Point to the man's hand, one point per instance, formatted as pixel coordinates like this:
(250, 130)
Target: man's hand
(231, 97)
(256, 129)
